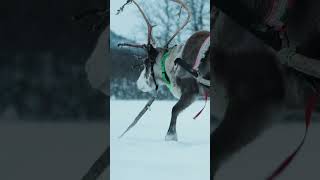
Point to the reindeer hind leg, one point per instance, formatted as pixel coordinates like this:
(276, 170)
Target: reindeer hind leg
(189, 93)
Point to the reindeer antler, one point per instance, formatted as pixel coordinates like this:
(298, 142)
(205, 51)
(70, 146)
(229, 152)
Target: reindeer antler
(150, 27)
(150, 40)
(184, 6)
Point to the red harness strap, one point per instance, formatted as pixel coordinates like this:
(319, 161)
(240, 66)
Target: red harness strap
(282, 28)
(195, 66)
(308, 114)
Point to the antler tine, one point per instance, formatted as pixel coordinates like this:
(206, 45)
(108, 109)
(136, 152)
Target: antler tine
(150, 38)
(184, 6)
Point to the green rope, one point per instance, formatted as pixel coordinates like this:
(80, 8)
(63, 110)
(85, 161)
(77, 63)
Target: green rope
(164, 75)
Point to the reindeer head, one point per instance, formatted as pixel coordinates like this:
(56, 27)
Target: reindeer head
(150, 77)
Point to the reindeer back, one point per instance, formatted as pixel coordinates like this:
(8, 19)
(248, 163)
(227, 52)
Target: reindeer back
(191, 50)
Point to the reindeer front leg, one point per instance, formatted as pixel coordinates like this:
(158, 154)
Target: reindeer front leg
(189, 91)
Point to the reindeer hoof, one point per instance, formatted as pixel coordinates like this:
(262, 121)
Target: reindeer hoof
(171, 137)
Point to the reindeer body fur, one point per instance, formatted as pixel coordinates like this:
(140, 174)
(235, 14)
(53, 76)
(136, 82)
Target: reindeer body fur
(252, 90)
(188, 86)
(183, 85)
(188, 52)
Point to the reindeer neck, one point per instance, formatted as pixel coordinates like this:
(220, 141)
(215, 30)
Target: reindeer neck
(164, 76)
(167, 68)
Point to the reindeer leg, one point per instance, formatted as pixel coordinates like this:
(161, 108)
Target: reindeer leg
(188, 96)
(185, 101)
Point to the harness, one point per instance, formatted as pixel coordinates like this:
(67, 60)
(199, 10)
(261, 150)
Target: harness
(201, 54)
(193, 70)
(164, 74)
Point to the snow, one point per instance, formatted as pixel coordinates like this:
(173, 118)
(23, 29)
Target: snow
(144, 154)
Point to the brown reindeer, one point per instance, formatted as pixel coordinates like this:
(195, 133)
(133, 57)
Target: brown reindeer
(162, 69)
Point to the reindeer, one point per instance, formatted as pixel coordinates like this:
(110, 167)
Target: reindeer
(161, 68)
(253, 88)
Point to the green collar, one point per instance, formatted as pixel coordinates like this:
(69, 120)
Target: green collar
(164, 74)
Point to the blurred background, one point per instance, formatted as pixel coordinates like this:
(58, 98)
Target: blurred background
(43, 53)
(53, 124)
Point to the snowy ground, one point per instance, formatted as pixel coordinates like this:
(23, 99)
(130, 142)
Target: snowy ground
(50, 151)
(143, 154)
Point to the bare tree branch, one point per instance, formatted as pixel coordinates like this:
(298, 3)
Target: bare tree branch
(185, 7)
(172, 19)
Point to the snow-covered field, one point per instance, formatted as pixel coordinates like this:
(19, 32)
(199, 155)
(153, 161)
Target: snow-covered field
(143, 154)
